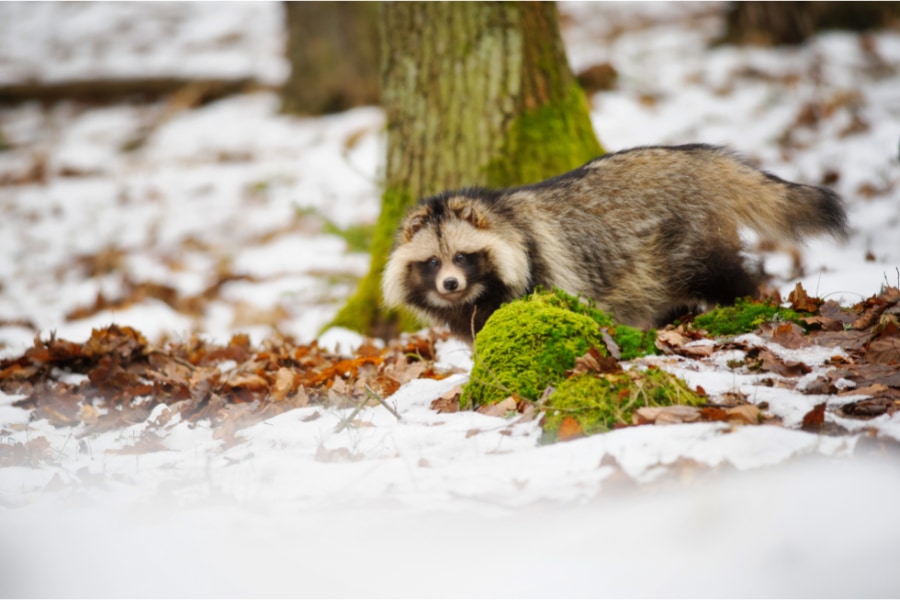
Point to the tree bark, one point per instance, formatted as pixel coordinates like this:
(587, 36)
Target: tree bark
(474, 93)
(333, 51)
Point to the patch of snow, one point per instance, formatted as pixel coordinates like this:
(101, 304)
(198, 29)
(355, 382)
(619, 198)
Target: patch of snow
(339, 340)
(234, 188)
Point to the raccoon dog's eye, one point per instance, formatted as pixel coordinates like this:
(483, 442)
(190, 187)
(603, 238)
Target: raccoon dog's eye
(433, 262)
(460, 258)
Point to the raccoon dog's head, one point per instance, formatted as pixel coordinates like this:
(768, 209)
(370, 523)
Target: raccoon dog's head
(451, 251)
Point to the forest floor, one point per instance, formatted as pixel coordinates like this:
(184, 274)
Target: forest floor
(180, 426)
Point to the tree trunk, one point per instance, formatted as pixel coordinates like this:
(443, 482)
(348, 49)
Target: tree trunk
(785, 23)
(333, 51)
(474, 93)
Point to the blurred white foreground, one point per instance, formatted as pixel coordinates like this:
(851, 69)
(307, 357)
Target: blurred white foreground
(815, 528)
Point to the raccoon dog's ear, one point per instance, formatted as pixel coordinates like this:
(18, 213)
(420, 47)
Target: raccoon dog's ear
(415, 221)
(466, 210)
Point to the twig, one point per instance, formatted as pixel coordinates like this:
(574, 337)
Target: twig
(381, 401)
(370, 393)
(349, 418)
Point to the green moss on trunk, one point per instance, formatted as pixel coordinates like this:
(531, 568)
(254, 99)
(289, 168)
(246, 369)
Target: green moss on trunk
(363, 311)
(546, 141)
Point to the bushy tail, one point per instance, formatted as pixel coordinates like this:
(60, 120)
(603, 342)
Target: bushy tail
(811, 210)
(783, 209)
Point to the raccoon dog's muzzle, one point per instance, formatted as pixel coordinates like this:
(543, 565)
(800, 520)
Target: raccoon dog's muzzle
(451, 283)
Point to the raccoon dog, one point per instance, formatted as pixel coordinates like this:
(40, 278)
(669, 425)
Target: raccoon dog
(643, 232)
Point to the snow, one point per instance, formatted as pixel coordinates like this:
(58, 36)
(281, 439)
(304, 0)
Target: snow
(428, 504)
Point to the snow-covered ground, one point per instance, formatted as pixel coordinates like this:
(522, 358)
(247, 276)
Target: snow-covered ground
(225, 205)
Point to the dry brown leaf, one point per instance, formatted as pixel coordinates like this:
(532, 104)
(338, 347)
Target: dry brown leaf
(672, 341)
(788, 335)
(404, 371)
(500, 409)
(800, 300)
(660, 415)
(884, 351)
(594, 362)
(824, 323)
(832, 310)
(748, 414)
(769, 361)
(814, 419)
(569, 429)
(713, 413)
(300, 399)
(449, 402)
(869, 390)
(340, 387)
(249, 381)
(285, 381)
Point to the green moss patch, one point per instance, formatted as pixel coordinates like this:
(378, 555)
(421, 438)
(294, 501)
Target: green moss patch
(745, 316)
(598, 402)
(529, 344)
(529, 348)
(526, 346)
(631, 342)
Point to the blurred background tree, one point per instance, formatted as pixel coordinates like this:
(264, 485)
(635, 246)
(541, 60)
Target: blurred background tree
(333, 51)
(782, 23)
(474, 93)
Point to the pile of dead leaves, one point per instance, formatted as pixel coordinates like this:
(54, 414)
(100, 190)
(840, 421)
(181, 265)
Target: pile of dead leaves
(116, 378)
(868, 333)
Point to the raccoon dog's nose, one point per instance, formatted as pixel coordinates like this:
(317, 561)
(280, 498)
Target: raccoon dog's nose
(451, 283)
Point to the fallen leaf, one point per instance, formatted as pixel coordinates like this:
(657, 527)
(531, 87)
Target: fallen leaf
(800, 300)
(500, 409)
(594, 362)
(713, 413)
(814, 419)
(832, 310)
(449, 402)
(769, 361)
(660, 415)
(673, 341)
(611, 346)
(824, 323)
(283, 384)
(787, 335)
(569, 429)
(849, 340)
(885, 351)
(867, 409)
(748, 414)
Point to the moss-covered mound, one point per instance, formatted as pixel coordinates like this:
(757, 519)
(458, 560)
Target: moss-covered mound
(597, 402)
(529, 344)
(631, 342)
(745, 316)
